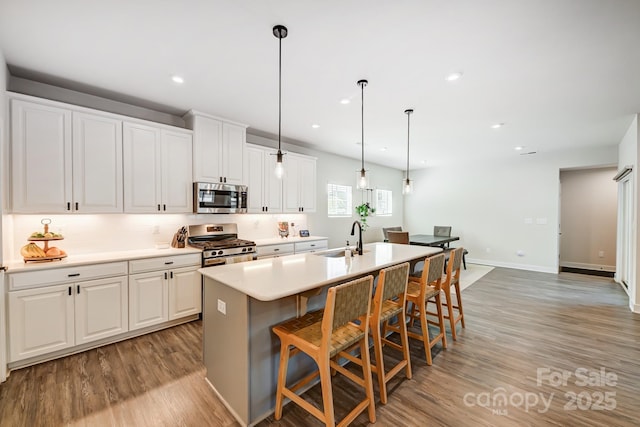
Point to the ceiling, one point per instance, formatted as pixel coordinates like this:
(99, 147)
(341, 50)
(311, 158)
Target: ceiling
(558, 74)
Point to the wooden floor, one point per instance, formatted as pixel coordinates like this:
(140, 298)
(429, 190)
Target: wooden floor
(521, 327)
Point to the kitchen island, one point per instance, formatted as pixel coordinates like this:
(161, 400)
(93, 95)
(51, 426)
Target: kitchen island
(243, 301)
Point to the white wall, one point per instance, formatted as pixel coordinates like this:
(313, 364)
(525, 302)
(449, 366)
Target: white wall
(490, 204)
(4, 76)
(628, 155)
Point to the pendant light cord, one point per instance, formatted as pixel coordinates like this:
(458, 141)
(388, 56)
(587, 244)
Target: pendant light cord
(408, 128)
(362, 115)
(279, 91)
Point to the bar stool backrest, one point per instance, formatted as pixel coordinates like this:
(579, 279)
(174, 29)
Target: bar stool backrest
(395, 280)
(347, 302)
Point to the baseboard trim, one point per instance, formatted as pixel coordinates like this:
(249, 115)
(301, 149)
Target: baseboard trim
(528, 267)
(599, 273)
(585, 266)
(634, 307)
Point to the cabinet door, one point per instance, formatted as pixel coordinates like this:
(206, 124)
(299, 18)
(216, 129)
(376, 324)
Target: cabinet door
(148, 293)
(101, 309)
(291, 184)
(307, 179)
(207, 139)
(272, 184)
(40, 321)
(185, 292)
(41, 158)
(233, 140)
(142, 168)
(97, 164)
(177, 187)
(254, 172)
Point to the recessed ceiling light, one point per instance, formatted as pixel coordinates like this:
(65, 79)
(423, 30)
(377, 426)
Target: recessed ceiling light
(177, 79)
(518, 148)
(315, 126)
(453, 76)
(383, 149)
(423, 162)
(497, 125)
(345, 101)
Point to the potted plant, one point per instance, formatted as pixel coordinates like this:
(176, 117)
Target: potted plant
(364, 210)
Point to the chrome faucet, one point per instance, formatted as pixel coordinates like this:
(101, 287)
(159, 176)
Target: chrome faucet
(353, 233)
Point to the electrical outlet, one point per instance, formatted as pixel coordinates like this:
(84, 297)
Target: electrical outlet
(600, 254)
(155, 229)
(488, 250)
(222, 307)
(520, 252)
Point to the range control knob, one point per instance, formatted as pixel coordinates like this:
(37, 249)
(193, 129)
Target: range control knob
(244, 249)
(220, 252)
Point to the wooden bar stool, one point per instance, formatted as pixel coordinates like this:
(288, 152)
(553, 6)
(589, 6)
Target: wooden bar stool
(389, 302)
(452, 280)
(420, 292)
(325, 335)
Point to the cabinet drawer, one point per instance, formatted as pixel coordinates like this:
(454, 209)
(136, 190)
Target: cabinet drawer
(163, 263)
(313, 245)
(270, 250)
(34, 279)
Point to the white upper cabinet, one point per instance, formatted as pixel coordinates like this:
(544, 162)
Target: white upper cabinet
(41, 158)
(264, 188)
(157, 169)
(218, 152)
(299, 183)
(97, 163)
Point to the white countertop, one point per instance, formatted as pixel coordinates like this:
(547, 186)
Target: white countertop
(279, 240)
(99, 257)
(274, 278)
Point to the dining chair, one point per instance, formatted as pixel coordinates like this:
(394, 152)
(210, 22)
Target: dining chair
(389, 303)
(398, 237)
(325, 335)
(445, 231)
(442, 231)
(420, 292)
(385, 230)
(452, 280)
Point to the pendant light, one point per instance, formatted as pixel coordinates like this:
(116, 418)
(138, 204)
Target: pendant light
(362, 182)
(280, 31)
(407, 184)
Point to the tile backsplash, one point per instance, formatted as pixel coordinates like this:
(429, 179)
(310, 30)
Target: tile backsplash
(111, 232)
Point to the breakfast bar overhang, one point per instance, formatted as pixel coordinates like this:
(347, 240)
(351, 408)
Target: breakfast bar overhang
(243, 301)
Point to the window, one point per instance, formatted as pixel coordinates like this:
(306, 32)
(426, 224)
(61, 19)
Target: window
(339, 200)
(384, 204)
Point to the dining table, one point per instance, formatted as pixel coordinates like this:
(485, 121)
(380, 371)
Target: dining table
(431, 240)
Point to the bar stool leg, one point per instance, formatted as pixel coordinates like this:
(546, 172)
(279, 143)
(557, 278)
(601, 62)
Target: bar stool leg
(441, 320)
(368, 381)
(282, 378)
(452, 319)
(424, 325)
(459, 297)
(327, 393)
(404, 339)
(377, 348)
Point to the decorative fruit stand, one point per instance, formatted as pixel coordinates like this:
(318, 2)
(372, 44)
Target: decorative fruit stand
(33, 252)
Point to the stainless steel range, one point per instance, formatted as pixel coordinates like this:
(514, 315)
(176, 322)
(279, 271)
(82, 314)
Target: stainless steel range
(220, 244)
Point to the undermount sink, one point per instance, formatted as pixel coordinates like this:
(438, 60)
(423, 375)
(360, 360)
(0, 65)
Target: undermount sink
(335, 253)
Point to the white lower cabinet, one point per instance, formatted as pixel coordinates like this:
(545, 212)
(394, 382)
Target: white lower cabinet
(148, 299)
(158, 294)
(51, 318)
(101, 309)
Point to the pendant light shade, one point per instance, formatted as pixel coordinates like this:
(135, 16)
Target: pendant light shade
(407, 184)
(280, 31)
(362, 182)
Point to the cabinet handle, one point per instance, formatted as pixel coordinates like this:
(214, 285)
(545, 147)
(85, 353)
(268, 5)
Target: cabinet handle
(78, 288)
(220, 179)
(68, 206)
(225, 179)
(168, 263)
(76, 205)
(276, 250)
(69, 290)
(164, 207)
(73, 275)
(302, 208)
(158, 206)
(312, 246)
(165, 275)
(266, 208)
(171, 274)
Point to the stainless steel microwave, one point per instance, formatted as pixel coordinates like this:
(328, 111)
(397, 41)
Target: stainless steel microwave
(219, 198)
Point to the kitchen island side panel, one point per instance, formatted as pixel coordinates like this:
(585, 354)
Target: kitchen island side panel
(264, 350)
(226, 345)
